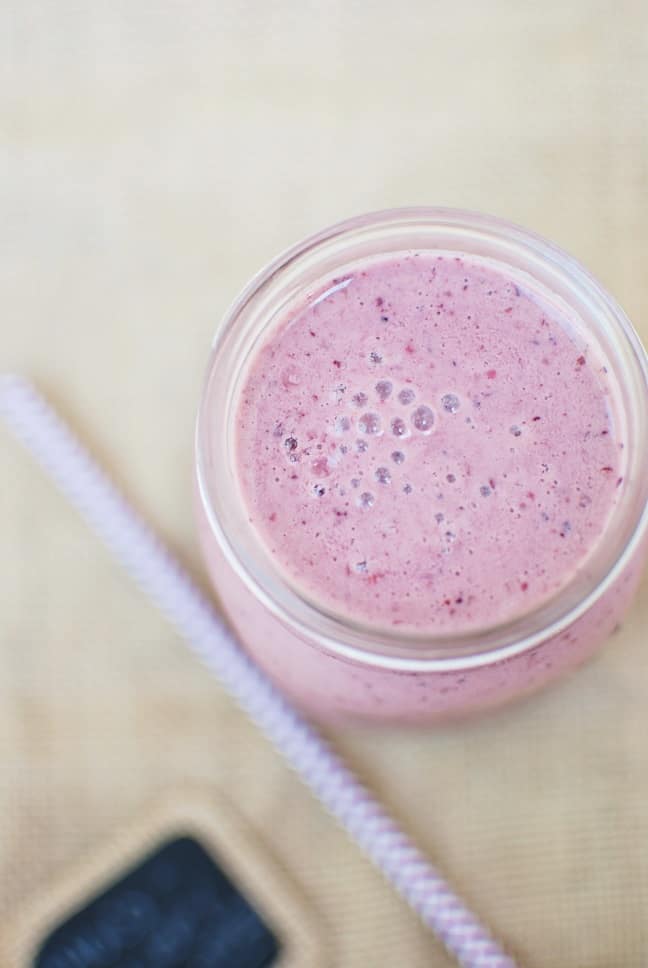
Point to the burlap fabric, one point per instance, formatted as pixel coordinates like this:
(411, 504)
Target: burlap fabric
(154, 156)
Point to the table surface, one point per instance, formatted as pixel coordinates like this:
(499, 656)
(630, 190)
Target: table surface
(154, 156)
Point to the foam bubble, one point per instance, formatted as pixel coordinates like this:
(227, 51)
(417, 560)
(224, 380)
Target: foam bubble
(369, 423)
(450, 402)
(290, 377)
(423, 419)
(399, 427)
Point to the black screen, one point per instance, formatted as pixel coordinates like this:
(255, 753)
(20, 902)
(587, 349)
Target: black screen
(175, 909)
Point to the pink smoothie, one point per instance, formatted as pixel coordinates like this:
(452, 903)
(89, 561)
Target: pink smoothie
(426, 444)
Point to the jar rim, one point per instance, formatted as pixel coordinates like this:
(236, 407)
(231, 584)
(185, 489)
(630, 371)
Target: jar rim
(415, 651)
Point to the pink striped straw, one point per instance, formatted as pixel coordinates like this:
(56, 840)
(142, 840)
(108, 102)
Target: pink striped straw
(156, 571)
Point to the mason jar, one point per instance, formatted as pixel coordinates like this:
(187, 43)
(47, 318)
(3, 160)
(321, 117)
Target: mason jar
(335, 667)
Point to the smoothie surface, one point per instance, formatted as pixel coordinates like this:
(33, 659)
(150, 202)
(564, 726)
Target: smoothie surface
(426, 443)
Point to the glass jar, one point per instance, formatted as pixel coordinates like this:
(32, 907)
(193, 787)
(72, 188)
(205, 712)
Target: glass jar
(332, 667)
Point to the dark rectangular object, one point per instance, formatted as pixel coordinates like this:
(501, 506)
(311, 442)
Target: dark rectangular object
(176, 909)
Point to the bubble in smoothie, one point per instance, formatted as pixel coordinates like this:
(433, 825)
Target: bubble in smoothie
(366, 500)
(359, 399)
(342, 425)
(450, 402)
(383, 475)
(369, 423)
(384, 389)
(290, 377)
(406, 396)
(423, 419)
(398, 456)
(399, 427)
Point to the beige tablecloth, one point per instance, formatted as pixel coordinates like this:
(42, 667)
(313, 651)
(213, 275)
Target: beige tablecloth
(154, 155)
